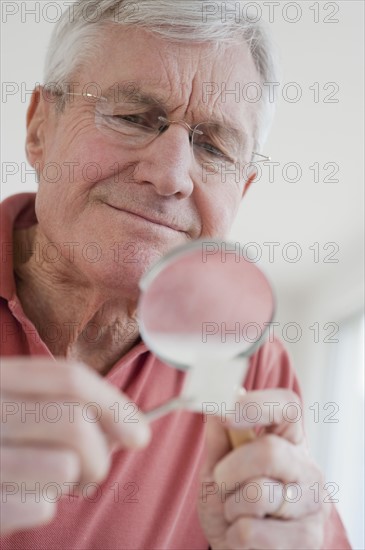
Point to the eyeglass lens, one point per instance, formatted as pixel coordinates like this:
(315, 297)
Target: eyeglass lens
(137, 124)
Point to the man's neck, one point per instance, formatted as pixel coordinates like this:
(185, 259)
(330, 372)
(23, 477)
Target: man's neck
(73, 318)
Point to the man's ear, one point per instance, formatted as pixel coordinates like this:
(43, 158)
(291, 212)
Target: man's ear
(36, 116)
(248, 182)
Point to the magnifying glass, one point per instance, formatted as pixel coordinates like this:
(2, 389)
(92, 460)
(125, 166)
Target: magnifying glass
(205, 308)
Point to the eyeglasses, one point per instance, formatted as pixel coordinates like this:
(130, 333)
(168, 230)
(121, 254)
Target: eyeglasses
(138, 123)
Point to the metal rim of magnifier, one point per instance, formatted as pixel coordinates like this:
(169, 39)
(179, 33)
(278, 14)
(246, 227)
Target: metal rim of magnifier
(181, 251)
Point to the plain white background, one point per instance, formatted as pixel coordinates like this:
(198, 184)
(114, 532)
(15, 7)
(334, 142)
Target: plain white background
(309, 213)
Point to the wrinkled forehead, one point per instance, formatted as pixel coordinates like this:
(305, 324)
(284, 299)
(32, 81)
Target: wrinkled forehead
(195, 81)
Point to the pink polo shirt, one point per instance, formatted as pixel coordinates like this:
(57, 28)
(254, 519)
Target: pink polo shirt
(148, 500)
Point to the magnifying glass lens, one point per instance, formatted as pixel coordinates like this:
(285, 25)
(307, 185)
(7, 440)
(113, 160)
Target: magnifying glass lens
(204, 300)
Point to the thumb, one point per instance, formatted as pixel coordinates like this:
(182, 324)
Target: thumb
(217, 445)
(210, 500)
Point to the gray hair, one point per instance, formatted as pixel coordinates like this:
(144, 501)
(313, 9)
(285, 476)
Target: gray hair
(74, 39)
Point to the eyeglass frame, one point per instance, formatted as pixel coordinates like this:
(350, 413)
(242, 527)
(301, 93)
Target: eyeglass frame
(167, 121)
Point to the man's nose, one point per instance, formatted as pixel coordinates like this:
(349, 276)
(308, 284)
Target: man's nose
(168, 163)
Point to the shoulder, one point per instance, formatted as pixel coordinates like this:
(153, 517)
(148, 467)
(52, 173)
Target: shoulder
(271, 367)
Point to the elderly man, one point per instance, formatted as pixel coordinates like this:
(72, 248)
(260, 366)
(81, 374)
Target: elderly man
(119, 137)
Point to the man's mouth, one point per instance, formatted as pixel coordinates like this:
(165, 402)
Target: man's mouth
(148, 218)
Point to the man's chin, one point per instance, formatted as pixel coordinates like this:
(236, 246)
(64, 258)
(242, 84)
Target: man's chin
(122, 274)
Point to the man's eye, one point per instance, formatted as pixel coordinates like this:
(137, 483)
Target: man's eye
(212, 150)
(141, 120)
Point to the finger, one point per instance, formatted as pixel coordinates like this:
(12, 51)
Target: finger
(271, 534)
(278, 409)
(75, 433)
(26, 464)
(210, 506)
(120, 418)
(18, 513)
(267, 456)
(217, 445)
(262, 497)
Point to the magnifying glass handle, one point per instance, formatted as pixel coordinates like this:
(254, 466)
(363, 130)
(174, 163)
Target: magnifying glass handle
(165, 408)
(240, 437)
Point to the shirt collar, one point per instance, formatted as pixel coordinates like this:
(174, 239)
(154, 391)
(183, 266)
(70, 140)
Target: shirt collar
(16, 212)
